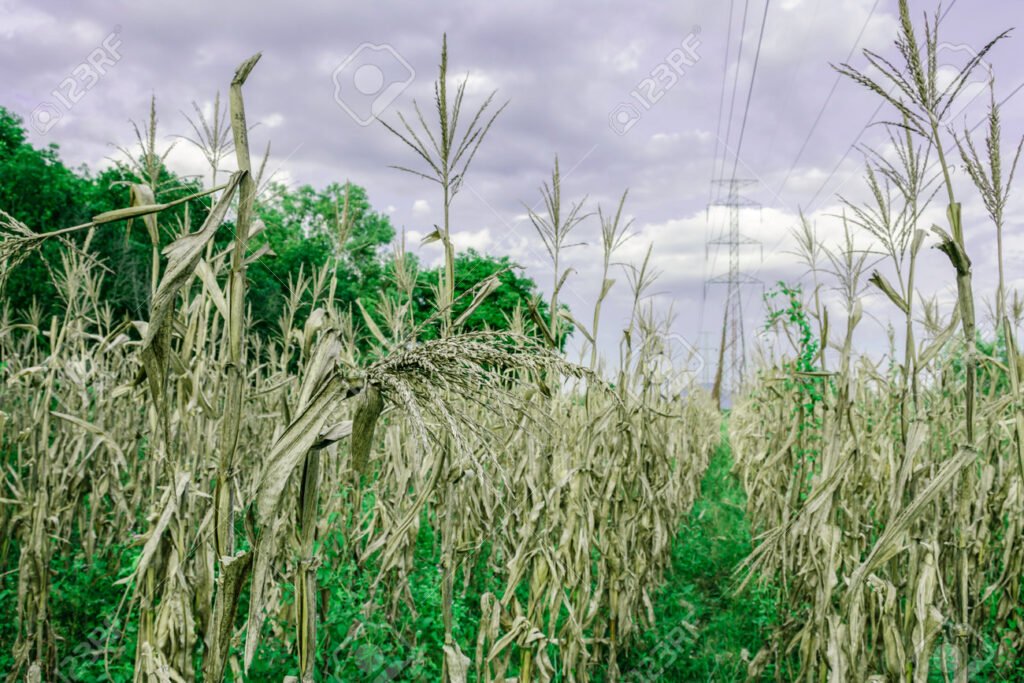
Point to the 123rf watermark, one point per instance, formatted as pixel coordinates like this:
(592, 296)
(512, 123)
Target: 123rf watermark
(657, 663)
(959, 67)
(78, 82)
(377, 662)
(669, 363)
(662, 78)
(369, 79)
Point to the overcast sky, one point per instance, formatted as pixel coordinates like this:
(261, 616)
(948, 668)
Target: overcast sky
(578, 77)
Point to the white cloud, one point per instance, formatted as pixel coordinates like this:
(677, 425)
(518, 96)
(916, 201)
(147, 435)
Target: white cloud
(627, 59)
(23, 20)
(680, 136)
(421, 208)
(88, 32)
(273, 120)
(480, 240)
(480, 83)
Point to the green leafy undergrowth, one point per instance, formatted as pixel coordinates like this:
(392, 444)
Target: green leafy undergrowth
(703, 630)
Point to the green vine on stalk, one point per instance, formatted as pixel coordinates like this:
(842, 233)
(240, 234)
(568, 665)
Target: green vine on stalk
(809, 387)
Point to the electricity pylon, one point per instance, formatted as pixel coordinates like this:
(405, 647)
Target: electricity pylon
(733, 338)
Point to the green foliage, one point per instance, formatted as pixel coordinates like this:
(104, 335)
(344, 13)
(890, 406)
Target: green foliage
(44, 194)
(992, 377)
(309, 229)
(391, 642)
(306, 230)
(38, 190)
(85, 614)
(792, 314)
(125, 248)
(472, 268)
(809, 387)
(701, 625)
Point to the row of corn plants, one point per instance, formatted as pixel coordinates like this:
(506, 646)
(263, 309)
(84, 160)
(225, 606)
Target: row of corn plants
(888, 494)
(228, 459)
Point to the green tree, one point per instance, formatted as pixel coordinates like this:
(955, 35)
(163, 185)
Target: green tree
(37, 189)
(471, 269)
(308, 229)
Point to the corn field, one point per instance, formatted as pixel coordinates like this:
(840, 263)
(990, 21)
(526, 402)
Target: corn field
(889, 499)
(884, 496)
(228, 460)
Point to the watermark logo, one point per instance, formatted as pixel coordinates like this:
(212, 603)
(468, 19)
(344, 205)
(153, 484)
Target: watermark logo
(80, 81)
(45, 116)
(376, 664)
(980, 659)
(952, 59)
(91, 652)
(624, 117)
(668, 362)
(655, 665)
(662, 78)
(369, 80)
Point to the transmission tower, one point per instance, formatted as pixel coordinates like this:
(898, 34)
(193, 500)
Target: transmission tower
(733, 339)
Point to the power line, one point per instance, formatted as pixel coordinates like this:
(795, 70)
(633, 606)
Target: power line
(824, 106)
(732, 329)
(732, 326)
(750, 90)
(721, 101)
(870, 121)
(973, 128)
(735, 87)
(718, 140)
(716, 168)
(845, 154)
(951, 5)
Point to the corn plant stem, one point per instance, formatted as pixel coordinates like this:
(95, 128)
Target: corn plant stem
(909, 360)
(124, 214)
(446, 186)
(224, 540)
(447, 292)
(964, 289)
(1014, 371)
(909, 402)
(233, 353)
(966, 297)
(448, 284)
(305, 568)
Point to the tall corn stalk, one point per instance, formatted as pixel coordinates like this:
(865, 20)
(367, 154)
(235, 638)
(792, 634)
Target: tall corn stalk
(899, 553)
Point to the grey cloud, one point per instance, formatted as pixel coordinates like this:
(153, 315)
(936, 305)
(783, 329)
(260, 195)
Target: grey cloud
(565, 67)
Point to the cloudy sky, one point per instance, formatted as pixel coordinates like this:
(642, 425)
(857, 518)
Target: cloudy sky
(628, 95)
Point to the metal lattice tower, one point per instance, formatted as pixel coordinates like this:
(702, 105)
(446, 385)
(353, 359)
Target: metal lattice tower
(734, 279)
